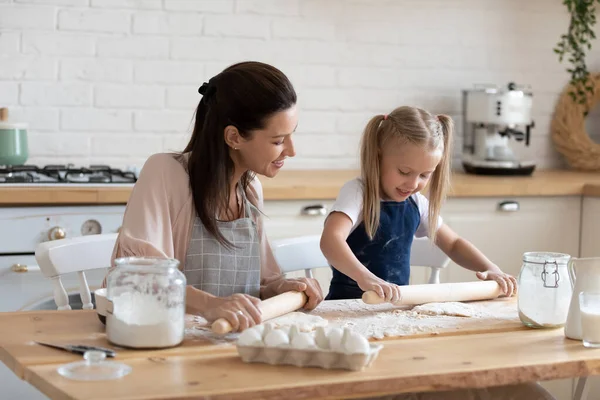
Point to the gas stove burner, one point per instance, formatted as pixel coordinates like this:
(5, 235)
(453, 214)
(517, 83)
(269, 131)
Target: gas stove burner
(18, 178)
(64, 174)
(7, 169)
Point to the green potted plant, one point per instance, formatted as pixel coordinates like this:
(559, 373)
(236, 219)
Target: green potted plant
(574, 45)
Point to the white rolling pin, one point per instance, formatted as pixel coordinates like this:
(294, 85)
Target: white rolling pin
(270, 308)
(441, 292)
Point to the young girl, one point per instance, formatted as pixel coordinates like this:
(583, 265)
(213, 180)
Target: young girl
(368, 235)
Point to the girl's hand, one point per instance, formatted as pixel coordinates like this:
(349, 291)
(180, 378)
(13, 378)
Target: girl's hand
(507, 282)
(388, 291)
(309, 286)
(240, 310)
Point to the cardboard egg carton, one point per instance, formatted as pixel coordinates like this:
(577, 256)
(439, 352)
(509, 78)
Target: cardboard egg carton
(330, 349)
(327, 359)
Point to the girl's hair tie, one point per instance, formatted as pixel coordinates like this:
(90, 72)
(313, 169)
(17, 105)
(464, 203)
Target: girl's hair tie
(385, 116)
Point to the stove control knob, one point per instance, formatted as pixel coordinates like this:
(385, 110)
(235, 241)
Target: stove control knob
(57, 233)
(19, 268)
(91, 227)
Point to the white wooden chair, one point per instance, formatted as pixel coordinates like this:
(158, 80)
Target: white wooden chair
(304, 253)
(79, 254)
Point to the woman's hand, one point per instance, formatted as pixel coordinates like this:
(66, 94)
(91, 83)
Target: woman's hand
(309, 286)
(507, 282)
(388, 291)
(240, 310)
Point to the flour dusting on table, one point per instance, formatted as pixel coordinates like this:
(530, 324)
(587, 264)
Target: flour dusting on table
(386, 320)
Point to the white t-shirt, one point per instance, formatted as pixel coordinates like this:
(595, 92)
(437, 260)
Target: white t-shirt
(350, 201)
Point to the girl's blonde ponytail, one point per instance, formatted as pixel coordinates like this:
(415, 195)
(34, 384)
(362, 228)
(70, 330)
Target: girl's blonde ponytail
(369, 163)
(440, 179)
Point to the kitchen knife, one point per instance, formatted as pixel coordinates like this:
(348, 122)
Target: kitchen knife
(79, 348)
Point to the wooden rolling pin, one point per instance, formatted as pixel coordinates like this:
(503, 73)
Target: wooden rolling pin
(441, 292)
(274, 307)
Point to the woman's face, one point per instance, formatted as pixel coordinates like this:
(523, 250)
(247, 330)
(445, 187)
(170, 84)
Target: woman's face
(266, 149)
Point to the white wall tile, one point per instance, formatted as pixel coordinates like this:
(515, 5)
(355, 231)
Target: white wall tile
(56, 94)
(94, 120)
(37, 118)
(58, 44)
(78, 3)
(168, 24)
(94, 20)
(134, 96)
(207, 6)
(247, 26)
(9, 43)
(134, 47)
(27, 17)
(133, 4)
(168, 72)
(9, 92)
(27, 68)
(96, 70)
(268, 7)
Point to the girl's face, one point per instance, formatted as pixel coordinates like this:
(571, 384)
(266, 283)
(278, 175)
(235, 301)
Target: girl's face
(266, 149)
(406, 169)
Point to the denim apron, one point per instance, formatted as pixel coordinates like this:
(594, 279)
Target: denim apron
(387, 255)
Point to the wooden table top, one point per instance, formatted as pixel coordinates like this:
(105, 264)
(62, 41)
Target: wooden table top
(200, 369)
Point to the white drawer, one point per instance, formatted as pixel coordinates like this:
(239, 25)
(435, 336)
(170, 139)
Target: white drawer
(291, 218)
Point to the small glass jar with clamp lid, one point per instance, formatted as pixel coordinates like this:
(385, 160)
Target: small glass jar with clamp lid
(544, 292)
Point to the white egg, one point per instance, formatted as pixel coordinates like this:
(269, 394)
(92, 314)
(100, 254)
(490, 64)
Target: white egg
(354, 343)
(276, 338)
(260, 328)
(321, 338)
(335, 339)
(293, 332)
(267, 329)
(250, 337)
(303, 341)
(285, 328)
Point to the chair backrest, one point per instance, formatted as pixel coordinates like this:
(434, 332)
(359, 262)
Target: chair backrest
(299, 253)
(304, 253)
(79, 254)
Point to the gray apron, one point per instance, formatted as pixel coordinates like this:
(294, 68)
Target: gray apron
(222, 271)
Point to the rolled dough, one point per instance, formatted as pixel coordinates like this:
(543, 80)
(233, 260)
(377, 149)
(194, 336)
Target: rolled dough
(304, 322)
(452, 308)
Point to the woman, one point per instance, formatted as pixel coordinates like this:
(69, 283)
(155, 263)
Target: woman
(202, 206)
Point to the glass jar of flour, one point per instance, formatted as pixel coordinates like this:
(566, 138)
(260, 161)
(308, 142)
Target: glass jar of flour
(146, 303)
(544, 291)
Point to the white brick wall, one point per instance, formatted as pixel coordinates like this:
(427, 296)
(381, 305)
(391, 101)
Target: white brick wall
(113, 81)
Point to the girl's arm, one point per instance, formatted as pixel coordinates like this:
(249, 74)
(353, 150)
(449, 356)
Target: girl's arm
(465, 254)
(334, 247)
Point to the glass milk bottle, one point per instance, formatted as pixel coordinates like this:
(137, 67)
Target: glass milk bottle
(544, 292)
(146, 303)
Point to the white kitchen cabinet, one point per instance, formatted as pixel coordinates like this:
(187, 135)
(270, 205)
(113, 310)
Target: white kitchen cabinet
(590, 227)
(505, 228)
(290, 218)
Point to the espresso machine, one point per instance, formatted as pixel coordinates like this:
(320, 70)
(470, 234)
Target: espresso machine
(494, 118)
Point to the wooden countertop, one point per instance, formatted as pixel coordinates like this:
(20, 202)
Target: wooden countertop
(205, 370)
(325, 184)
